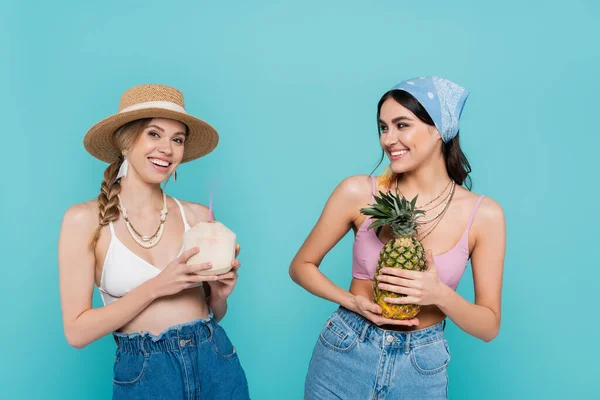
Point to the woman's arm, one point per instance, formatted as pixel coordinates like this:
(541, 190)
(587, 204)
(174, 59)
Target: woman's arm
(83, 324)
(217, 292)
(337, 218)
(482, 319)
(333, 224)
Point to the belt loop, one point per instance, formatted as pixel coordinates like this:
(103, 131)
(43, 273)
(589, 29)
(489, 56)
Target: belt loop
(363, 334)
(142, 345)
(407, 343)
(210, 329)
(178, 341)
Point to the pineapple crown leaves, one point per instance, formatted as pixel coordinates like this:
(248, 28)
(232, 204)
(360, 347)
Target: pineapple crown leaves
(395, 211)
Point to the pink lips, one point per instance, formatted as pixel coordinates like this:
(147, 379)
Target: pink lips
(159, 168)
(397, 156)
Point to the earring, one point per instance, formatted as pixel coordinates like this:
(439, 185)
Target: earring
(174, 175)
(123, 169)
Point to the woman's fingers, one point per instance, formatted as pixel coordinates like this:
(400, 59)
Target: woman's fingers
(399, 289)
(194, 278)
(227, 276)
(404, 322)
(401, 273)
(399, 281)
(402, 300)
(193, 268)
(389, 321)
(186, 255)
(236, 264)
(379, 320)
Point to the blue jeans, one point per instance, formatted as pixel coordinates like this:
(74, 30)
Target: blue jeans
(188, 361)
(355, 359)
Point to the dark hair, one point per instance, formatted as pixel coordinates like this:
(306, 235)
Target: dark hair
(457, 165)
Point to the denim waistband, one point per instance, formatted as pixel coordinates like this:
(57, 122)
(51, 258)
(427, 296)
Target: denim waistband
(409, 339)
(171, 339)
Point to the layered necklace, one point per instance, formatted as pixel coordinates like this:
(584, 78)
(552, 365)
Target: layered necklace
(430, 224)
(146, 242)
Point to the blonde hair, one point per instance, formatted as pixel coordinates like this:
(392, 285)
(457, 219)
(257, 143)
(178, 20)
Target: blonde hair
(108, 202)
(386, 179)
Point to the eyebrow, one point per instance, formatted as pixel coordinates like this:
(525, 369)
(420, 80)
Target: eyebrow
(155, 126)
(162, 130)
(398, 119)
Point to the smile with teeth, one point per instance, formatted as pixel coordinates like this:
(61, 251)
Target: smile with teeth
(161, 163)
(398, 153)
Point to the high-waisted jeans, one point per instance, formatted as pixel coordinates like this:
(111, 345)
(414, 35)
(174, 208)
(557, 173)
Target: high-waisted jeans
(355, 359)
(188, 361)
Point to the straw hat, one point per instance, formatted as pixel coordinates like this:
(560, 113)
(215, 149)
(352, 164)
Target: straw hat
(150, 101)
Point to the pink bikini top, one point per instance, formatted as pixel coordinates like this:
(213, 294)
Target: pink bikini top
(367, 246)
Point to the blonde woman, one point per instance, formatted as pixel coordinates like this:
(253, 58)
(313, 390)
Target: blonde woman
(163, 315)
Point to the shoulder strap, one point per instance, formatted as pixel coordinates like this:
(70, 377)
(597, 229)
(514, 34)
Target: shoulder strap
(111, 227)
(374, 188)
(474, 212)
(185, 222)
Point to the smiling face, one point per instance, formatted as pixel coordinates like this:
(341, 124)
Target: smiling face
(158, 150)
(406, 139)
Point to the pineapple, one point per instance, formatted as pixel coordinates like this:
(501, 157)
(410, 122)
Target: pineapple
(403, 251)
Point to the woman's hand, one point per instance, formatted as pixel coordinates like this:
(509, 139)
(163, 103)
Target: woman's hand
(372, 312)
(223, 286)
(421, 288)
(178, 276)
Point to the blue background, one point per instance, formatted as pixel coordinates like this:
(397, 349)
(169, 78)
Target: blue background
(292, 88)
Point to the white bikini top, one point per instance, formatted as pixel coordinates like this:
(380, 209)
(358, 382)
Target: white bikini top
(123, 270)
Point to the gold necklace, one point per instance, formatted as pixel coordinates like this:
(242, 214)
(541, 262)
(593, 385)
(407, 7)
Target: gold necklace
(435, 206)
(437, 219)
(429, 230)
(426, 204)
(146, 242)
(446, 205)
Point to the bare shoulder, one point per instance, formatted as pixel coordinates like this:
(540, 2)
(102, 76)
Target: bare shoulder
(355, 187)
(488, 206)
(350, 195)
(194, 212)
(491, 211)
(490, 214)
(82, 216)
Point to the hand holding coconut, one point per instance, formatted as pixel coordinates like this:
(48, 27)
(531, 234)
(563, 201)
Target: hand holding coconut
(223, 286)
(219, 248)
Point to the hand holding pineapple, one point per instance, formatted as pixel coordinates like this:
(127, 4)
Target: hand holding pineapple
(420, 288)
(403, 252)
(372, 312)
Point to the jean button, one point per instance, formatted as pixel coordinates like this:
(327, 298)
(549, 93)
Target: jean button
(182, 343)
(390, 338)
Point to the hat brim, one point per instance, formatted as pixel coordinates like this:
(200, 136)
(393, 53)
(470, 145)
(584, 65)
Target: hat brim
(201, 140)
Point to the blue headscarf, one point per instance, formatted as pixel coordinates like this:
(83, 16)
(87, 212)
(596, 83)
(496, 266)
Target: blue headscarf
(443, 99)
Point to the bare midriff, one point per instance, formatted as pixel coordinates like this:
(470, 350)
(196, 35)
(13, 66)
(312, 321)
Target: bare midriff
(165, 312)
